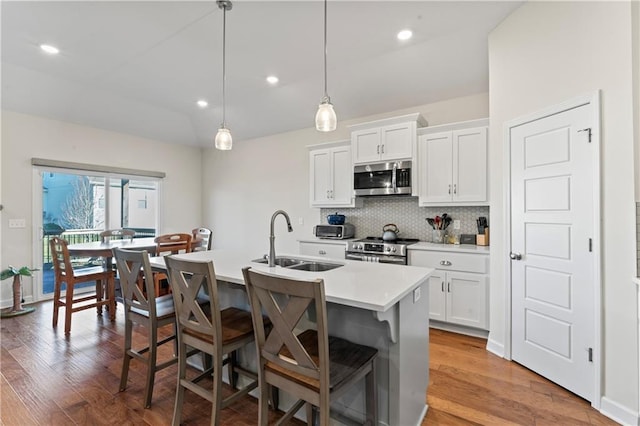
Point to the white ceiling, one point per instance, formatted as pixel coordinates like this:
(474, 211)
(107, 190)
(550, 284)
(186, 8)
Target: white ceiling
(139, 67)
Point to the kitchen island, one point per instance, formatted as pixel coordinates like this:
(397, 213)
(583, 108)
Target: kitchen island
(381, 305)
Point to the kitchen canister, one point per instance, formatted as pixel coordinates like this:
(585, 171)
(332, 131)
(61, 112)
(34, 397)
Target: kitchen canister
(438, 236)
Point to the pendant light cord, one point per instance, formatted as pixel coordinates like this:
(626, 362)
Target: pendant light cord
(224, 56)
(326, 95)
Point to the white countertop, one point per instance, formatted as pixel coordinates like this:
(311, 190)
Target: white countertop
(456, 248)
(371, 286)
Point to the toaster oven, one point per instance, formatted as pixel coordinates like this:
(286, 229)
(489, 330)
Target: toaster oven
(335, 232)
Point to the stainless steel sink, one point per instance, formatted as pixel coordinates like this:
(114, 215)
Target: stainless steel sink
(285, 262)
(315, 266)
(301, 264)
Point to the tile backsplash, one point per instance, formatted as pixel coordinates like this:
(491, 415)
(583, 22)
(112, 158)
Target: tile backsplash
(407, 216)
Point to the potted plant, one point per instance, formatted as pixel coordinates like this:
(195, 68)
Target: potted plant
(17, 275)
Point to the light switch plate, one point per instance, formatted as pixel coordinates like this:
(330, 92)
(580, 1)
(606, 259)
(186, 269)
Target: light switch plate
(17, 223)
(416, 295)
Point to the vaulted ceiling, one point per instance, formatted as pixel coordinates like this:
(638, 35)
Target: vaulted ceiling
(139, 67)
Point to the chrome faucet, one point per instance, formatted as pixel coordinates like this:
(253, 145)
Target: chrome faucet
(272, 237)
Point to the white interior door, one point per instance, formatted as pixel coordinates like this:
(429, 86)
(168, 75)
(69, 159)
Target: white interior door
(552, 227)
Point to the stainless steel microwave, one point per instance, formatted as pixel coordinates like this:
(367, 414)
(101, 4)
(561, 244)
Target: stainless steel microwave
(335, 232)
(392, 178)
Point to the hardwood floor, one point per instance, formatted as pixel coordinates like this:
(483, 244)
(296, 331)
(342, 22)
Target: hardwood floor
(47, 379)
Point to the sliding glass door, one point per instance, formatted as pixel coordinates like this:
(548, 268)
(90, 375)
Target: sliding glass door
(77, 206)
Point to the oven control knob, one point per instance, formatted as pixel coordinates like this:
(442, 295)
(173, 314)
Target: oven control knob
(393, 249)
(388, 249)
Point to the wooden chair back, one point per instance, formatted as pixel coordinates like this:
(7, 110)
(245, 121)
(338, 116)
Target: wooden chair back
(138, 291)
(60, 258)
(284, 302)
(188, 280)
(203, 237)
(173, 243)
(117, 234)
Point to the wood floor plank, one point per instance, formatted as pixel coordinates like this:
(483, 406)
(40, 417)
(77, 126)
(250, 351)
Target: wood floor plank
(467, 386)
(14, 411)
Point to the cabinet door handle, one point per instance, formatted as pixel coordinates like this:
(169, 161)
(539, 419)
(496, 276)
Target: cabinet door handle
(442, 286)
(378, 150)
(383, 148)
(455, 188)
(445, 263)
(322, 252)
(448, 287)
(449, 189)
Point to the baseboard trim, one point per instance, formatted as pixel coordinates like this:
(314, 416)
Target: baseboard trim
(460, 329)
(495, 347)
(618, 412)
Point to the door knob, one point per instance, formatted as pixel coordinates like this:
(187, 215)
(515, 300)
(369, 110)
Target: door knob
(515, 256)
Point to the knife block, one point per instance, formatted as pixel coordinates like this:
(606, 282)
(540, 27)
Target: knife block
(483, 239)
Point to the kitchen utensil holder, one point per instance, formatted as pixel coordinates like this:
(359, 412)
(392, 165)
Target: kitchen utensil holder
(438, 236)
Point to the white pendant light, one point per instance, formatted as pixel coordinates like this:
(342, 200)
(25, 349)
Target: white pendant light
(326, 120)
(223, 139)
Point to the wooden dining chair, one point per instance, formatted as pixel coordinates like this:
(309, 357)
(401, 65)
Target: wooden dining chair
(206, 327)
(65, 274)
(169, 244)
(312, 366)
(117, 234)
(111, 235)
(201, 239)
(142, 307)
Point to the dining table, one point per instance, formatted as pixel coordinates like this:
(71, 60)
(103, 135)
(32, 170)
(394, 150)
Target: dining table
(104, 249)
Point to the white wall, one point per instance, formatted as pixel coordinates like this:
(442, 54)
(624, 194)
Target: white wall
(542, 54)
(25, 137)
(242, 188)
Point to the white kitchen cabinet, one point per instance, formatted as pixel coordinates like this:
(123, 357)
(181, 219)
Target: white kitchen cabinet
(385, 140)
(323, 249)
(452, 165)
(458, 288)
(331, 175)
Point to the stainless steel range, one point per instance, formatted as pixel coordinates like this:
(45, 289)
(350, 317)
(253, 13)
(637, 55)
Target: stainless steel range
(374, 249)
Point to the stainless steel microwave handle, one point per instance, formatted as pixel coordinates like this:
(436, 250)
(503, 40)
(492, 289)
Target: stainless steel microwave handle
(394, 179)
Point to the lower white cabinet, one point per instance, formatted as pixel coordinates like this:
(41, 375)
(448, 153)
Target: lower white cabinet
(458, 288)
(328, 250)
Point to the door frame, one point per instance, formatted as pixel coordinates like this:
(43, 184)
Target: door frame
(594, 100)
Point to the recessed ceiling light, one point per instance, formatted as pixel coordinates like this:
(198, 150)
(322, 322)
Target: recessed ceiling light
(202, 103)
(51, 50)
(404, 35)
(272, 79)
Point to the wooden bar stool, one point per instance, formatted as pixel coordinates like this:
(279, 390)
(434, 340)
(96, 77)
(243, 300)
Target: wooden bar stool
(64, 273)
(311, 366)
(201, 239)
(141, 306)
(207, 328)
(169, 244)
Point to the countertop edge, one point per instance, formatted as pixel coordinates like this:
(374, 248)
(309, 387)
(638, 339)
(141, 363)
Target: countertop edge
(454, 248)
(326, 240)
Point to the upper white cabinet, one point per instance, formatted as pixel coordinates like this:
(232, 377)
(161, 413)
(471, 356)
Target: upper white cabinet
(383, 140)
(331, 175)
(452, 164)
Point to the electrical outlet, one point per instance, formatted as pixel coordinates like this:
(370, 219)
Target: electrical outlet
(416, 295)
(17, 223)
(301, 221)
(456, 224)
